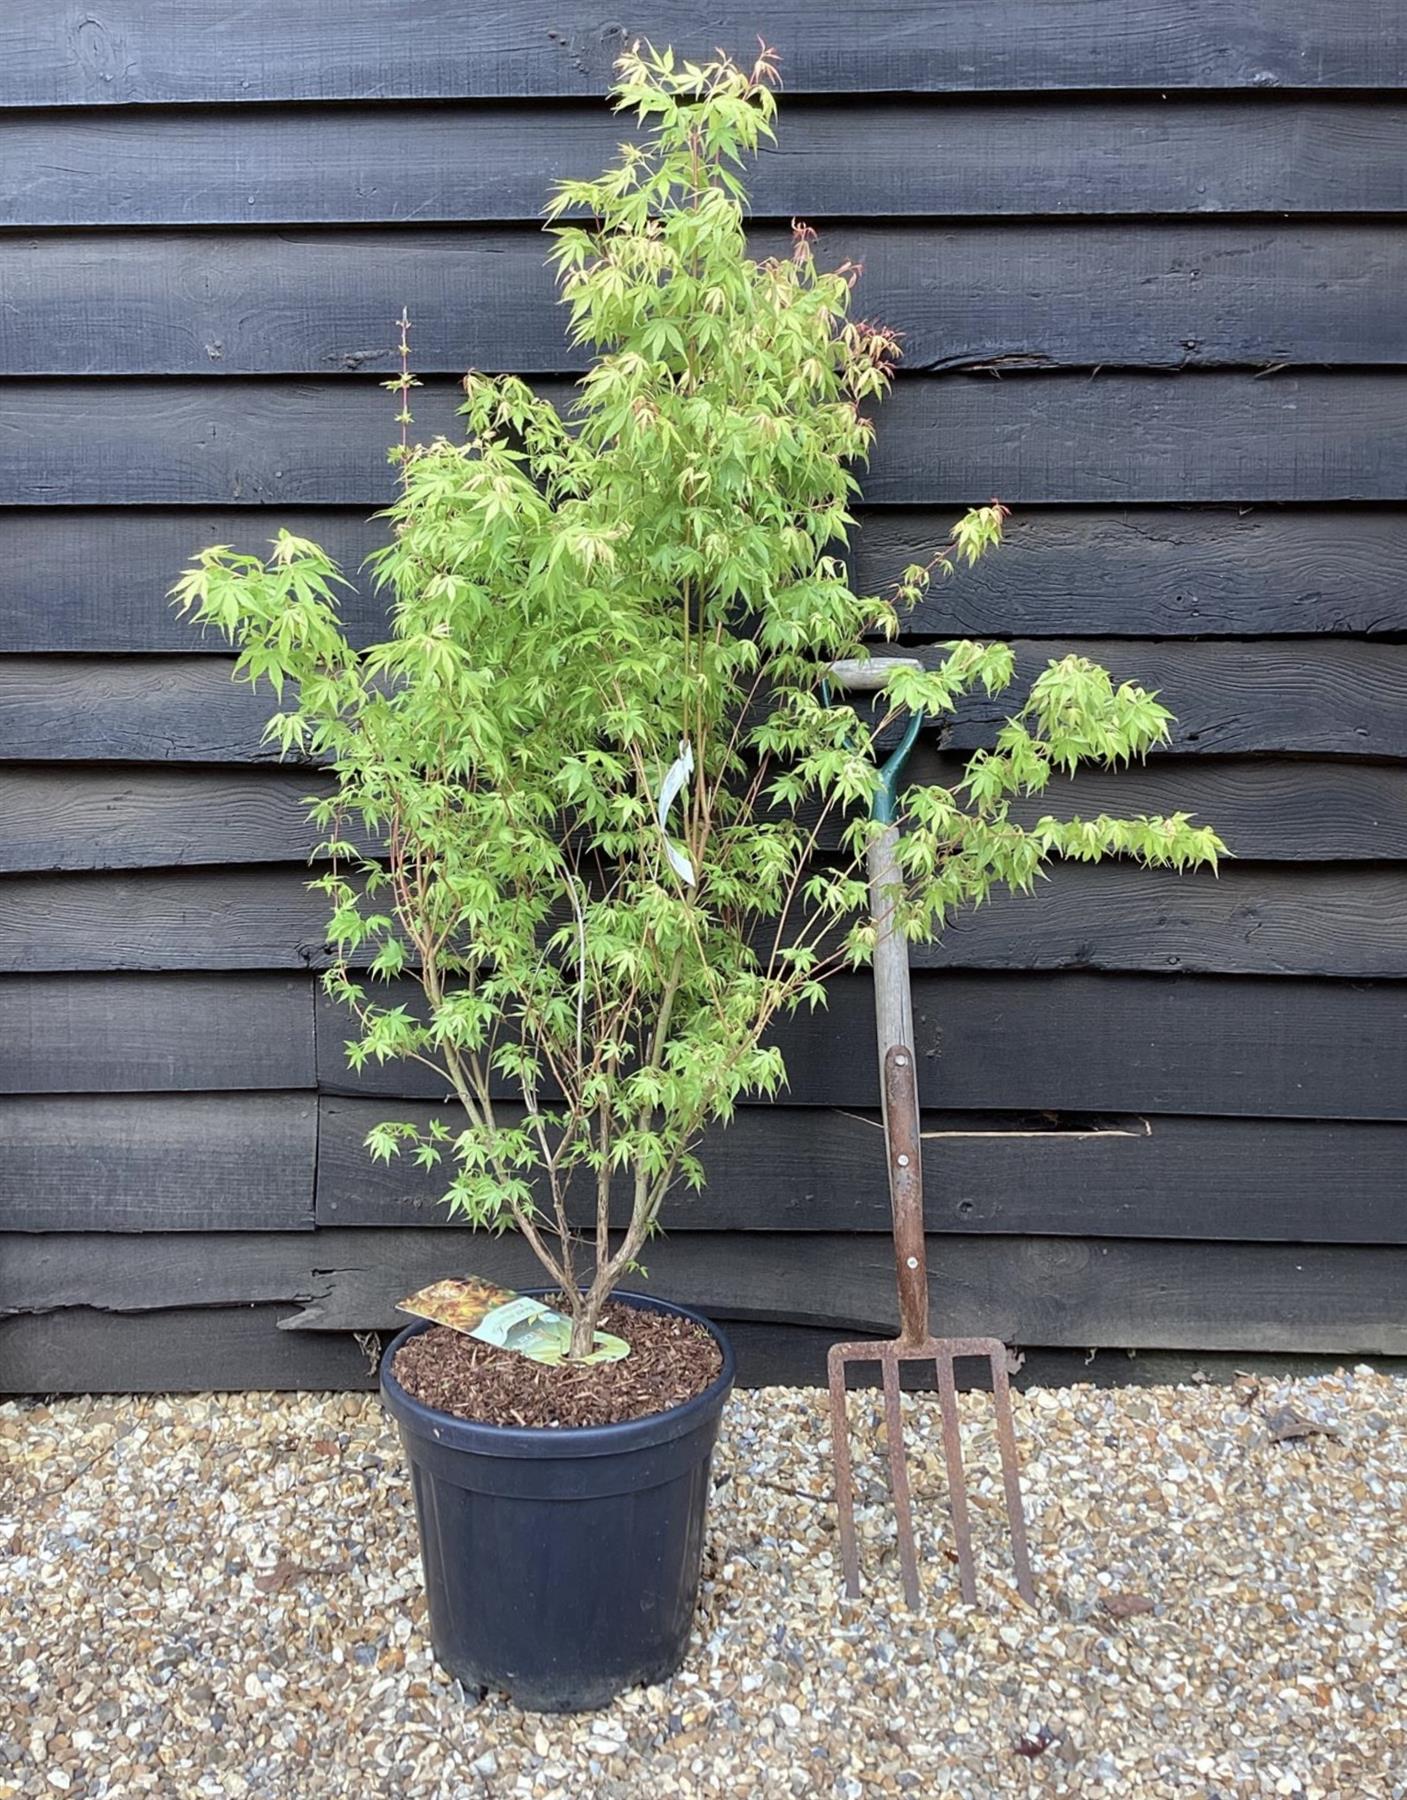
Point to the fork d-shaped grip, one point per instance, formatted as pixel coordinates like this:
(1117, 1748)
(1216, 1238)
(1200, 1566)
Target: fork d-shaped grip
(906, 1190)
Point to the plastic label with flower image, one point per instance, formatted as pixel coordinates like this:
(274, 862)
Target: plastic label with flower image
(508, 1320)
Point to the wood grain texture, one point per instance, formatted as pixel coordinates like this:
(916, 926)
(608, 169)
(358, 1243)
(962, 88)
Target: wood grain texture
(1098, 294)
(66, 817)
(81, 580)
(1072, 1292)
(229, 1349)
(233, 919)
(133, 1273)
(85, 580)
(1272, 810)
(1152, 294)
(1310, 697)
(195, 1352)
(87, 1034)
(1249, 921)
(1136, 571)
(1055, 1291)
(897, 157)
(61, 817)
(784, 1168)
(1062, 438)
(83, 1350)
(124, 51)
(1074, 1042)
(177, 1162)
(199, 1349)
(1254, 920)
(152, 709)
(1113, 438)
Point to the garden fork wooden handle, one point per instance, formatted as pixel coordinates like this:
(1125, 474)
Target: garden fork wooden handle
(894, 1024)
(905, 1148)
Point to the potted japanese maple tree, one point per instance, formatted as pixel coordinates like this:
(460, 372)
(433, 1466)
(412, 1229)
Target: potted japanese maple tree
(598, 780)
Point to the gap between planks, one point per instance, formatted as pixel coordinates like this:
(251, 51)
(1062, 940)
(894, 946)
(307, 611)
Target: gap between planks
(1144, 1128)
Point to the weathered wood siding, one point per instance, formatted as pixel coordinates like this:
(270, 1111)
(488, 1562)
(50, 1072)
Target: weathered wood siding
(1149, 262)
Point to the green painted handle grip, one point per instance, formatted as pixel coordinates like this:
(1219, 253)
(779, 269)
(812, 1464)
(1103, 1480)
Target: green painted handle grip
(886, 795)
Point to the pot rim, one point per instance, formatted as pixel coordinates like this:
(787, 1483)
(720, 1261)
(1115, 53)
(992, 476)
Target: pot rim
(539, 1442)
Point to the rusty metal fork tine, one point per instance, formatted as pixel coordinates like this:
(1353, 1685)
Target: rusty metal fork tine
(943, 1354)
(1011, 1475)
(899, 1479)
(844, 1480)
(957, 1480)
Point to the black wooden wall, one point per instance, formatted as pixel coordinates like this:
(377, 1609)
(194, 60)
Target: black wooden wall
(1149, 259)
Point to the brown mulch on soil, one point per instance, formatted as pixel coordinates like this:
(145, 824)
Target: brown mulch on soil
(671, 1360)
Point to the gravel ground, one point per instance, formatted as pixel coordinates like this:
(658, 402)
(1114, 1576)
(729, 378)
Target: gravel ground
(220, 1596)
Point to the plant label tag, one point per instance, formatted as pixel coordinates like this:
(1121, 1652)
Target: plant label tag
(679, 772)
(509, 1321)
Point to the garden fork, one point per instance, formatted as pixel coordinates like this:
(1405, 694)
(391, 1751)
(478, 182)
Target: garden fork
(903, 1144)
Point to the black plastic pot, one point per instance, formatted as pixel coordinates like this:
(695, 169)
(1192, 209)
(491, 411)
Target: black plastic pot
(561, 1566)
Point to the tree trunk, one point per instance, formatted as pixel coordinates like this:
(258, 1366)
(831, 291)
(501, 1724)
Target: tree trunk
(584, 1318)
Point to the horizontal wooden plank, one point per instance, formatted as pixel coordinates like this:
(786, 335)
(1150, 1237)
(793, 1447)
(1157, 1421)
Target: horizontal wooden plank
(1116, 437)
(1246, 1048)
(190, 919)
(1063, 1292)
(45, 1272)
(1250, 920)
(782, 1168)
(895, 157)
(1140, 571)
(238, 1349)
(235, 1349)
(125, 51)
(81, 580)
(198, 1349)
(1273, 811)
(69, 816)
(72, 816)
(153, 709)
(1253, 920)
(180, 1162)
(1056, 1291)
(142, 1033)
(1310, 697)
(1155, 294)
(1111, 438)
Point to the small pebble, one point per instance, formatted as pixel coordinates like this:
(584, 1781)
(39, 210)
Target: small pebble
(193, 1603)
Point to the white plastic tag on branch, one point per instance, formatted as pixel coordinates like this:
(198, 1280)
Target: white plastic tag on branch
(679, 772)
